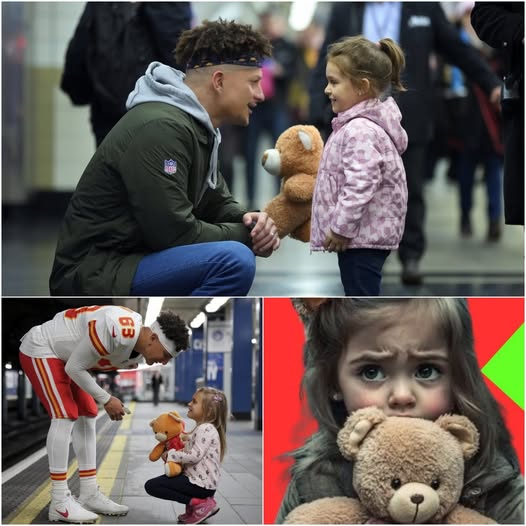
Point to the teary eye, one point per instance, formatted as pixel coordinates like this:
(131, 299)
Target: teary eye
(396, 483)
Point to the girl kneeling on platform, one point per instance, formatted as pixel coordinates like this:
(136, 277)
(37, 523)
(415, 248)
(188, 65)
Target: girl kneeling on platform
(201, 458)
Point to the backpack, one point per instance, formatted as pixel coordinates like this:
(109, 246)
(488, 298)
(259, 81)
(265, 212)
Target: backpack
(113, 42)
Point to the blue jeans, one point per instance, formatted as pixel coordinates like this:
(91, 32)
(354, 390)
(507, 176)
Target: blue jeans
(467, 166)
(220, 268)
(361, 270)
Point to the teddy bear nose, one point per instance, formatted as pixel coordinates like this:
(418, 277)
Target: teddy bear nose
(417, 498)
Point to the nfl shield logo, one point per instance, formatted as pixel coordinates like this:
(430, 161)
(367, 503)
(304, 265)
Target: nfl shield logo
(170, 166)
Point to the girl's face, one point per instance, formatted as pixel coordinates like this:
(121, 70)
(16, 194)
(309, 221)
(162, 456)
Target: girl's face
(401, 367)
(195, 408)
(340, 90)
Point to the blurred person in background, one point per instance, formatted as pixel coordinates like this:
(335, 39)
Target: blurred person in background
(111, 48)
(481, 139)
(420, 28)
(273, 115)
(501, 26)
(308, 43)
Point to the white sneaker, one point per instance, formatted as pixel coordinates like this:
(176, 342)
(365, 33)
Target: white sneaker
(69, 510)
(99, 503)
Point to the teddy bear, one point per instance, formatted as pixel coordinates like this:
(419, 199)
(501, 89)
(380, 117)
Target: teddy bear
(295, 159)
(168, 429)
(405, 471)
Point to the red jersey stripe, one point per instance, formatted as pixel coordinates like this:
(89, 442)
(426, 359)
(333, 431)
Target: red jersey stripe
(95, 340)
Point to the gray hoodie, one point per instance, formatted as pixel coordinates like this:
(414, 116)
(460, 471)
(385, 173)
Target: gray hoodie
(162, 83)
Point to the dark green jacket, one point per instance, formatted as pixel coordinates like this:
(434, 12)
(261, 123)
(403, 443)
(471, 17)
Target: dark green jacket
(125, 206)
(498, 495)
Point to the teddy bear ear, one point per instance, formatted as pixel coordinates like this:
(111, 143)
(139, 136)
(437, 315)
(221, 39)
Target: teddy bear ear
(356, 428)
(464, 430)
(305, 139)
(152, 422)
(175, 416)
(307, 307)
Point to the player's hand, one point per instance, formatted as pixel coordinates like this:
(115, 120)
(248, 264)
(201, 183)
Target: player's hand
(334, 242)
(115, 408)
(264, 233)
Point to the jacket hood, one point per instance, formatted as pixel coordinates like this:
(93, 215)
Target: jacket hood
(162, 83)
(385, 114)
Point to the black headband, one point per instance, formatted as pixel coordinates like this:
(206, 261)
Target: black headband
(254, 61)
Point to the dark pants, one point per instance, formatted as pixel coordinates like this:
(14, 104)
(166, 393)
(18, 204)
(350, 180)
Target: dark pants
(413, 242)
(467, 165)
(513, 138)
(177, 488)
(361, 270)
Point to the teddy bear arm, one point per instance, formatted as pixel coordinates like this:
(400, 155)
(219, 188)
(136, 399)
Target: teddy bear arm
(329, 510)
(157, 452)
(302, 233)
(287, 215)
(462, 515)
(299, 188)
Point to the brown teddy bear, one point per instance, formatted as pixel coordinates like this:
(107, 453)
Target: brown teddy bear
(295, 159)
(405, 471)
(168, 429)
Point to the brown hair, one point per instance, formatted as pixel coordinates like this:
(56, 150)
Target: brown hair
(220, 39)
(328, 332)
(215, 411)
(358, 58)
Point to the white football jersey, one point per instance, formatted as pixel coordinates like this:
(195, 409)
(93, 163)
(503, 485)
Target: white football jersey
(96, 338)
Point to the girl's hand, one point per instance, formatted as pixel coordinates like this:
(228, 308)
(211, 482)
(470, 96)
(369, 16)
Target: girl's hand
(264, 233)
(334, 242)
(164, 456)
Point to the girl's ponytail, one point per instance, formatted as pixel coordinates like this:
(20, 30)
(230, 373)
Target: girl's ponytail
(396, 55)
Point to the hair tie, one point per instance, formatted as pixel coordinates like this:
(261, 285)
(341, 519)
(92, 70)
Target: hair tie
(217, 398)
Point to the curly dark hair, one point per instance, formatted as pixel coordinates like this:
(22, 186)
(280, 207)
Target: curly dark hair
(220, 38)
(174, 329)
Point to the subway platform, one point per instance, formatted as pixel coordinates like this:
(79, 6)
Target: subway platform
(123, 467)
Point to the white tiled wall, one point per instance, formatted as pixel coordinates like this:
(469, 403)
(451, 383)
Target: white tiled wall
(50, 26)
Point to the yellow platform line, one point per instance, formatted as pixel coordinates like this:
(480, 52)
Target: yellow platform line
(28, 511)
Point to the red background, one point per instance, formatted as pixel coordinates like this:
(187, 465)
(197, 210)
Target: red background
(286, 419)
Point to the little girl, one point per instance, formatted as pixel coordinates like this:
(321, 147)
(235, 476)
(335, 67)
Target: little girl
(201, 459)
(360, 198)
(412, 357)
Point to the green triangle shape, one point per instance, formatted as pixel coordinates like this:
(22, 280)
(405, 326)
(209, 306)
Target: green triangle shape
(506, 367)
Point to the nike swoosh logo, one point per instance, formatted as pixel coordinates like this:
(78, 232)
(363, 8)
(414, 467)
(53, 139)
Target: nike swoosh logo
(64, 514)
(113, 332)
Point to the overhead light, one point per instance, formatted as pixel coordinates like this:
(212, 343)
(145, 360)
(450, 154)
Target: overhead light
(198, 320)
(215, 304)
(8, 365)
(154, 308)
(301, 14)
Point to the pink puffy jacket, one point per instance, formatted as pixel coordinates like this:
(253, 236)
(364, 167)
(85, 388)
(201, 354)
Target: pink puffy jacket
(361, 189)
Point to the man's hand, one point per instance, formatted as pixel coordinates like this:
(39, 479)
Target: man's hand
(115, 408)
(334, 242)
(264, 233)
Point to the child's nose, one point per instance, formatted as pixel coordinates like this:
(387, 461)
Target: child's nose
(401, 395)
